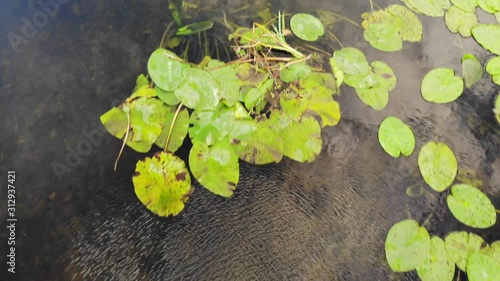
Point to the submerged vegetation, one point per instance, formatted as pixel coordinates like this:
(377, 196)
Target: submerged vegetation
(273, 99)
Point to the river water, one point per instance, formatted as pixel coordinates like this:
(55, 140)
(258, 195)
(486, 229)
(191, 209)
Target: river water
(327, 220)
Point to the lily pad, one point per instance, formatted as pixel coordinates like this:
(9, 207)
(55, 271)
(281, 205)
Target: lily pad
(440, 85)
(140, 82)
(306, 27)
(433, 8)
(376, 97)
(496, 110)
(466, 5)
(460, 245)
(439, 266)
(482, 268)
(396, 137)
(200, 91)
(471, 69)
(166, 70)
(493, 68)
(168, 98)
(211, 127)
(471, 207)
(489, 6)
(383, 36)
(215, 167)
(438, 165)
(294, 72)
(225, 75)
(351, 61)
(458, 20)
(162, 184)
(407, 246)
(179, 131)
(488, 36)
(115, 122)
(145, 123)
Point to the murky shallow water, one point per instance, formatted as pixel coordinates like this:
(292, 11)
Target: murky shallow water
(321, 221)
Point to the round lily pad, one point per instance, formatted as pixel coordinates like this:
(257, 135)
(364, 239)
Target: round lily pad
(493, 66)
(383, 36)
(488, 36)
(162, 184)
(306, 27)
(438, 165)
(483, 268)
(199, 91)
(496, 111)
(439, 266)
(376, 97)
(211, 126)
(165, 70)
(471, 207)
(472, 70)
(489, 6)
(460, 245)
(466, 5)
(351, 61)
(433, 8)
(215, 167)
(407, 246)
(396, 137)
(440, 85)
(458, 20)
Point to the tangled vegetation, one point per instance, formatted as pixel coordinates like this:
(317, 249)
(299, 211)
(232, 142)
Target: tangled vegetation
(273, 100)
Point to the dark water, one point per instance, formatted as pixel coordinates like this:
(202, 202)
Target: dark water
(321, 221)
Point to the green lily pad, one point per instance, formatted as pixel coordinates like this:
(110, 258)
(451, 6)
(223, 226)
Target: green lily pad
(255, 142)
(440, 85)
(376, 97)
(351, 61)
(168, 98)
(166, 70)
(179, 131)
(384, 37)
(162, 184)
(306, 27)
(410, 26)
(460, 245)
(432, 8)
(215, 167)
(439, 266)
(472, 70)
(140, 82)
(396, 137)
(493, 68)
(438, 165)
(301, 139)
(294, 72)
(211, 127)
(338, 74)
(490, 6)
(458, 20)
(496, 110)
(256, 95)
(145, 123)
(143, 91)
(482, 268)
(407, 246)
(471, 207)
(115, 122)
(200, 91)
(466, 5)
(225, 75)
(497, 17)
(488, 36)
(495, 250)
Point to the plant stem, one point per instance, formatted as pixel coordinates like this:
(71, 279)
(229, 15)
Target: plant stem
(124, 140)
(165, 34)
(172, 126)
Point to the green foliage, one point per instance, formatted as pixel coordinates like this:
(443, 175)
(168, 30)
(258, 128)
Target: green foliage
(432, 8)
(438, 165)
(438, 266)
(458, 20)
(493, 68)
(396, 137)
(460, 245)
(483, 268)
(488, 36)
(440, 85)
(306, 27)
(471, 207)
(471, 70)
(407, 246)
(466, 5)
(496, 110)
(489, 6)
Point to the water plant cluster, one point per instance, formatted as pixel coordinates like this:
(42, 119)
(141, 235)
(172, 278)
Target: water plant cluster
(274, 99)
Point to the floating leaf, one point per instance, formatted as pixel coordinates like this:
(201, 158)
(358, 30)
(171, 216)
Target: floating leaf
(376, 97)
(434, 8)
(301, 139)
(249, 76)
(167, 97)
(351, 61)
(497, 17)
(255, 142)
(200, 91)
(471, 207)
(407, 246)
(493, 68)
(337, 73)
(215, 167)
(466, 5)
(496, 110)
(294, 72)
(115, 121)
(145, 123)
(482, 268)
(162, 184)
(211, 127)
(438, 165)
(179, 131)
(166, 70)
(490, 6)
(306, 27)
(460, 245)
(143, 91)
(225, 75)
(488, 36)
(140, 82)
(396, 137)
(256, 95)
(385, 72)
(458, 20)
(383, 36)
(438, 266)
(471, 69)
(440, 85)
